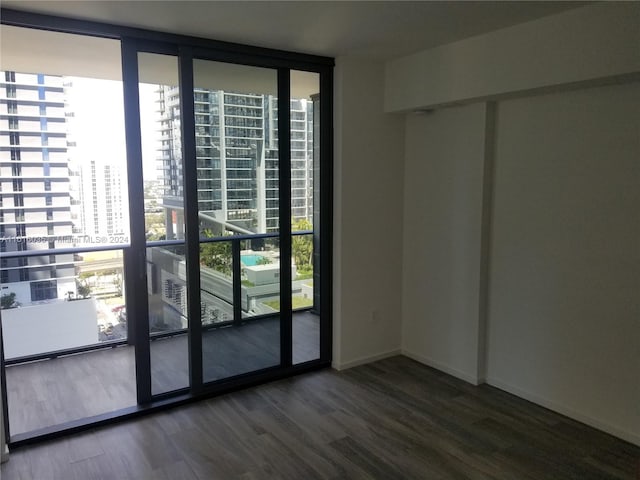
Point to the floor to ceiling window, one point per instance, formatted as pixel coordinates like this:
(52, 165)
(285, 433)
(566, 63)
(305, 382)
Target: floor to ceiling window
(165, 214)
(64, 224)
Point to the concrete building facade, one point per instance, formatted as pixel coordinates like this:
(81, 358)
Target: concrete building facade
(35, 202)
(237, 160)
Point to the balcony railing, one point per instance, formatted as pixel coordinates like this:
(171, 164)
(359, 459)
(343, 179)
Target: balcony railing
(239, 280)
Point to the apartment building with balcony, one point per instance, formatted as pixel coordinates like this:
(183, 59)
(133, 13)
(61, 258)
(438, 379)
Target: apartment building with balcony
(237, 160)
(102, 203)
(35, 201)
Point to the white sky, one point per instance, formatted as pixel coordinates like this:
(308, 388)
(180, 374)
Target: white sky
(98, 123)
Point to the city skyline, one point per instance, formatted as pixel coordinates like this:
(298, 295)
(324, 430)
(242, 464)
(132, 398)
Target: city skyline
(65, 135)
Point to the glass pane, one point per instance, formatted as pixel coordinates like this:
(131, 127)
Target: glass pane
(237, 171)
(164, 221)
(77, 303)
(216, 282)
(305, 121)
(167, 293)
(90, 283)
(231, 347)
(161, 147)
(306, 319)
(260, 267)
(236, 118)
(305, 178)
(302, 271)
(63, 177)
(62, 186)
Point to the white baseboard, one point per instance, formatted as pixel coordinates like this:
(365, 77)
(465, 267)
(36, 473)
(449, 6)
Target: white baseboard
(626, 435)
(4, 454)
(364, 360)
(442, 367)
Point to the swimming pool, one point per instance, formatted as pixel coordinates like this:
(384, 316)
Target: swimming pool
(250, 260)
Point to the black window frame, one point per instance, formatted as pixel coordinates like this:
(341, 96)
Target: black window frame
(284, 62)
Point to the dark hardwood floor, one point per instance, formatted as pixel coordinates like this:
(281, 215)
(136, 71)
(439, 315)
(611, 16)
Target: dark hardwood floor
(393, 419)
(51, 392)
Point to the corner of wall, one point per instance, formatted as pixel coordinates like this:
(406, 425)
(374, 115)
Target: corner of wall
(368, 160)
(443, 367)
(442, 299)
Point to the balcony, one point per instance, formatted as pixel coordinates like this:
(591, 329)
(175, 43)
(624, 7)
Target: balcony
(67, 388)
(68, 358)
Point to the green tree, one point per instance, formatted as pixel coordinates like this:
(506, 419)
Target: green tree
(263, 261)
(154, 219)
(83, 290)
(154, 237)
(302, 246)
(8, 300)
(216, 255)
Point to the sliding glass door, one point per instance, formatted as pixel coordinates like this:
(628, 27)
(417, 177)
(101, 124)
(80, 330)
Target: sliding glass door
(64, 230)
(166, 209)
(236, 155)
(164, 223)
(231, 244)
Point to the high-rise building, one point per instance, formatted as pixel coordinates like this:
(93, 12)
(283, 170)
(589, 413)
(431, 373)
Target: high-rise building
(103, 209)
(236, 159)
(97, 171)
(35, 202)
(302, 164)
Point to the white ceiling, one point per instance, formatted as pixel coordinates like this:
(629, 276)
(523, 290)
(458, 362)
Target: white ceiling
(29, 50)
(380, 29)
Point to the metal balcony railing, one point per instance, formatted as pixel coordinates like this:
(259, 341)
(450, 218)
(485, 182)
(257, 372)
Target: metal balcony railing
(232, 291)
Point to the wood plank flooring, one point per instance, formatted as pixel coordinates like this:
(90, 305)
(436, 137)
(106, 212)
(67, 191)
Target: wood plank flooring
(51, 392)
(393, 419)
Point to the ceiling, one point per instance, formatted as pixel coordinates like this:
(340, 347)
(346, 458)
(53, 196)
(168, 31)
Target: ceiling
(30, 50)
(380, 29)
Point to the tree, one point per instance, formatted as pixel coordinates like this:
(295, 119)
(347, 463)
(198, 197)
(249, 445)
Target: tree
(216, 255)
(155, 223)
(117, 281)
(263, 261)
(302, 246)
(8, 300)
(83, 289)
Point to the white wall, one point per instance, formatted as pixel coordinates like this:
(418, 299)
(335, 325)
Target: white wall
(367, 216)
(580, 45)
(21, 289)
(564, 307)
(444, 159)
(48, 327)
(532, 282)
